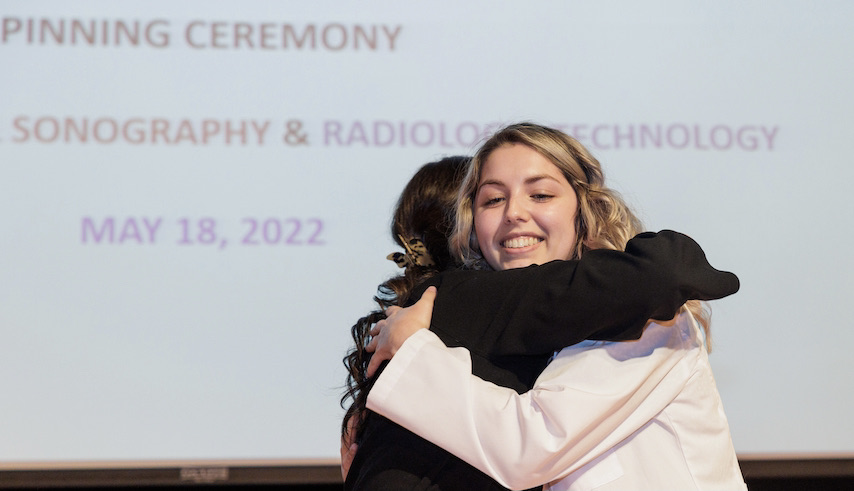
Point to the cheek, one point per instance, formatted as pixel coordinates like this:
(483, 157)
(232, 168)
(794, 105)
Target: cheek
(478, 229)
(570, 246)
(483, 228)
(562, 226)
(572, 239)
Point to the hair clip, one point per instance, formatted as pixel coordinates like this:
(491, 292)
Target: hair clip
(416, 254)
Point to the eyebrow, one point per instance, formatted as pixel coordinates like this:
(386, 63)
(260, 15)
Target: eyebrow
(529, 180)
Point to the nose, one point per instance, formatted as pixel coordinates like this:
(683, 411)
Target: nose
(515, 211)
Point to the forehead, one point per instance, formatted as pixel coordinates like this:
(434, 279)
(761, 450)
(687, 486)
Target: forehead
(512, 162)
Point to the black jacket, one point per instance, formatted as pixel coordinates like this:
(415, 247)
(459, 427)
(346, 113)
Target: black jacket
(513, 321)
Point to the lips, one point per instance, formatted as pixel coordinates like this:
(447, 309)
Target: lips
(520, 242)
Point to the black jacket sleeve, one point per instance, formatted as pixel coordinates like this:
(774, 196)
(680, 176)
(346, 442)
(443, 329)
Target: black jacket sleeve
(606, 295)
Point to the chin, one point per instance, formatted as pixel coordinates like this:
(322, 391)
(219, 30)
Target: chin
(517, 263)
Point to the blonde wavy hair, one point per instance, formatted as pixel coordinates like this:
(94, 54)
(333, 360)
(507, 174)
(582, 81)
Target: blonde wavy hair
(603, 221)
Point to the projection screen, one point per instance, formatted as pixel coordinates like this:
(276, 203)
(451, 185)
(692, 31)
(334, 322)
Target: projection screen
(196, 198)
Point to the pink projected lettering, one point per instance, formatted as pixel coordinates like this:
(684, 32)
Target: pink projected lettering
(204, 231)
(200, 34)
(379, 133)
(291, 231)
(269, 36)
(112, 230)
(404, 134)
(675, 136)
(138, 131)
(85, 32)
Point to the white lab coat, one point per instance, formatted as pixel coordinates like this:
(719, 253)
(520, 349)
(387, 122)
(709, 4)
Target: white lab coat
(640, 415)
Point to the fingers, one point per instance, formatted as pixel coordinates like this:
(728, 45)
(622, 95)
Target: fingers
(377, 328)
(375, 332)
(351, 427)
(389, 334)
(347, 454)
(373, 365)
(348, 448)
(424, 305)
(429, 296)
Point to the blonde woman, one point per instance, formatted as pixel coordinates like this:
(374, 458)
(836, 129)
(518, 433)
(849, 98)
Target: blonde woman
(603, 415)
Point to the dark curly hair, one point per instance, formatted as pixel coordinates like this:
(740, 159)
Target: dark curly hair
(424, 211)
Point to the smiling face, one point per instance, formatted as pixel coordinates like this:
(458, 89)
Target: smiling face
(524, 209)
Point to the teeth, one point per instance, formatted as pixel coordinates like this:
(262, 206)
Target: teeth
(520, 242)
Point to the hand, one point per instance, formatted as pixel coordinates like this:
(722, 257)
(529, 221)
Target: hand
(389, 334)
(348, 448)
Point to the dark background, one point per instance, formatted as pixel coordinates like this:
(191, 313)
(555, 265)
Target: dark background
(760, 475)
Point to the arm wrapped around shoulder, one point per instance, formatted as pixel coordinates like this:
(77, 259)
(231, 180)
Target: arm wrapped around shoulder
(612, 293)
(605, 295)
(685, 263)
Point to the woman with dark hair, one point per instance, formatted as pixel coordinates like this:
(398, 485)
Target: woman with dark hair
(512, 321)
(421, 224)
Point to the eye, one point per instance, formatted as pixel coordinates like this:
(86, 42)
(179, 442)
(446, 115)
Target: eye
(487, 198)
(541, 196)
(493, 201)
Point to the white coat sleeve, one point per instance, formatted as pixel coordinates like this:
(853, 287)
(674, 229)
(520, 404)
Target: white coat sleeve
(591, 397)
